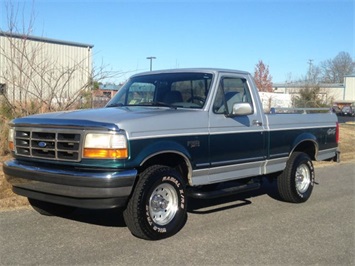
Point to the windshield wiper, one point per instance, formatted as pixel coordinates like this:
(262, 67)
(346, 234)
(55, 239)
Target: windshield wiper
(144, 104)
(164, 104)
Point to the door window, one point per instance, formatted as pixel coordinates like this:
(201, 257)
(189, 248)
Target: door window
(231, 90)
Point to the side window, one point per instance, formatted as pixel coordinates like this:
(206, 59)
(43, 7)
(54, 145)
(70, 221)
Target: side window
(231, 90)
(107, 94)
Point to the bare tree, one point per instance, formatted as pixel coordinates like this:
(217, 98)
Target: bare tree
(313, 74)
(262, 77)
(33, 79)
(38, 79)
(334, 70)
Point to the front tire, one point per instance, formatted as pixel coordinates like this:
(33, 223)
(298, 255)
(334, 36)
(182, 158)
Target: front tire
(296, 182)
(157, 208)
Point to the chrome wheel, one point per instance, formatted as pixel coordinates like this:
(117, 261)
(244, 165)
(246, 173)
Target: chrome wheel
(303, 178)
(163, 204)
(157, 208)
(295, 183)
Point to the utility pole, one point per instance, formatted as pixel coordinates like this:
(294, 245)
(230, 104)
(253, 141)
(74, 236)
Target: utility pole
(310, 69)
(151, 61)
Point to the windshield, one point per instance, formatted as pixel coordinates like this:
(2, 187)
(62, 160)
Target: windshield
(187, 90)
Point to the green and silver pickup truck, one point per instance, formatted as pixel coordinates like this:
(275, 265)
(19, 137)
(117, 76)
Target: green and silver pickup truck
(164, 138)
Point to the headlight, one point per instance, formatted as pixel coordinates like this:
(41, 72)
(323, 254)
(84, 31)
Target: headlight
(11, 139)
(105, 146)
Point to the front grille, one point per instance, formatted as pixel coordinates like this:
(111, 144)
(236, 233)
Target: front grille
(50, 144)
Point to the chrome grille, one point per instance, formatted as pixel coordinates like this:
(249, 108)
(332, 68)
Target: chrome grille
(50, 144)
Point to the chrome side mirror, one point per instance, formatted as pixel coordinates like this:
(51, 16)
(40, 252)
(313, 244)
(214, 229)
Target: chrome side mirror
(241, 109)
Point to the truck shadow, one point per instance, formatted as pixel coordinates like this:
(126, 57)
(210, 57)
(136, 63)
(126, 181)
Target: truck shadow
(114, 217)
(107, 217)
(199, 206)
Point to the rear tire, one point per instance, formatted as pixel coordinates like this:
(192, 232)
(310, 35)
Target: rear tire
(296, 182)
(50, 209)
(157, 208)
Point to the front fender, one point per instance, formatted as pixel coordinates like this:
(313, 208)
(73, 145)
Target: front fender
(143, 150)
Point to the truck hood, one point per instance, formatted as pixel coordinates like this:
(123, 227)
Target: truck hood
(131, 119)
(102, 115)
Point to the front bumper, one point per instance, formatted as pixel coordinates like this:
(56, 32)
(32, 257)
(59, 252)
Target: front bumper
(95, 189)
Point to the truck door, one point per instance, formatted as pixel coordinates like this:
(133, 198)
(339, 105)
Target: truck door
(237, 142)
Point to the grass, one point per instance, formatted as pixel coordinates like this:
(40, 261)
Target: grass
(8, 200)
(347, 142)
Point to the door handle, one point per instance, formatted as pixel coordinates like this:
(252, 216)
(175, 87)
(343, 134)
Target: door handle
(257, 123)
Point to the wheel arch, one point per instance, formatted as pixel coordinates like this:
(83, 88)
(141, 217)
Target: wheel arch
(306, 143)
(172, 158)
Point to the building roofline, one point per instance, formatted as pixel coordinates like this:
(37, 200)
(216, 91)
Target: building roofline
(43, 39)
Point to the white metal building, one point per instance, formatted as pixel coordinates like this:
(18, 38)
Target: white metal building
(349, 88)
(33, 68)
(341, 94)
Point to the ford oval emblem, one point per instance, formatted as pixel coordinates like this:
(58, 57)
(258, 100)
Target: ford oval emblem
(42, 144)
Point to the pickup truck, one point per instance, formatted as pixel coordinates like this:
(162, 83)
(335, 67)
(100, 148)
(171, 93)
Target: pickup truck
(165, 138)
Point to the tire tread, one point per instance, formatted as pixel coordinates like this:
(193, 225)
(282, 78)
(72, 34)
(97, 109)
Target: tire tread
(133, 217)
(285, 179)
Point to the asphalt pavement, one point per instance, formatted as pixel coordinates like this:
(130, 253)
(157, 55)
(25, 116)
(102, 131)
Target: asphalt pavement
(248, 229)
(346, 119)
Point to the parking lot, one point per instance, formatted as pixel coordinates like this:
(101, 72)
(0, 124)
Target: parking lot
(248, 229)
(346, 119)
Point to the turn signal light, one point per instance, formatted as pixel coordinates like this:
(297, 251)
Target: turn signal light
(105, 146)
(11, 146)
(105, 153)
(11, 139)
